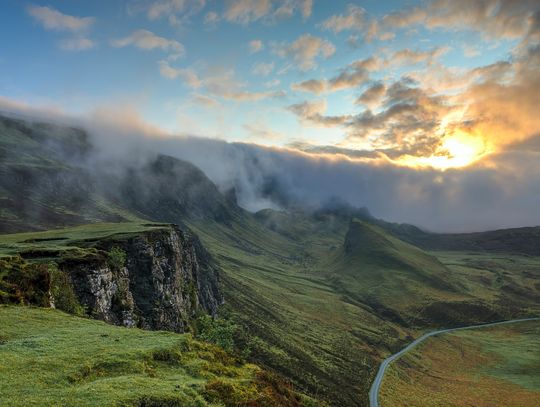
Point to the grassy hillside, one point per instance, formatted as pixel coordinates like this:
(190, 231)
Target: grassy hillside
(325, 315)
(50, 358)
(487, 367)
(320, 300)
(372, 266)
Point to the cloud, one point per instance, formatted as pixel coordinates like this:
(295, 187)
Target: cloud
(372, 95)
(248, 96)
(313, 113)
(312, 85)
(211, 18)
(189, 76)
(147, 40)
(409, 121)
(412, 57)
(77, 44)
(262, 68)
(261, 133)
(248, 11)
(357, 73)
(304, 50)
(350, 77)
(272, 83)
(504, 192)
(494, 19)
(205, 101)
(255, 46)
(288, 8)
(52, 19)
(221, 84)
(357, 20)
(354, 19)
(176, 11)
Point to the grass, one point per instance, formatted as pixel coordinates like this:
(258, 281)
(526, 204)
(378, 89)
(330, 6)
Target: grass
(312, 311)
(65, 240)
(491, 366)
(51, 358)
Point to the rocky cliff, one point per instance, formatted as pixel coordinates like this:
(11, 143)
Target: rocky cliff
(165, 279)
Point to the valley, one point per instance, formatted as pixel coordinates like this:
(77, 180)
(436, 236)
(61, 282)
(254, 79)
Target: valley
(317, 297)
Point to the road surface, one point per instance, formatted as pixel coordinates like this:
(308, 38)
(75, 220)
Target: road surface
(374, 391)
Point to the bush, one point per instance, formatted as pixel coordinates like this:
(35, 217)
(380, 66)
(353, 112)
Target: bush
(62, 291)
(24, 283)
(116, 258)
(217, 331)
(37, 284)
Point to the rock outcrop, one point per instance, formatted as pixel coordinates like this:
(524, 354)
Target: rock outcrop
(166, 279)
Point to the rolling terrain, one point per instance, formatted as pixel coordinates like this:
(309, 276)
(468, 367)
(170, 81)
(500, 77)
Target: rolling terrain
(320, 297)
(490, 366)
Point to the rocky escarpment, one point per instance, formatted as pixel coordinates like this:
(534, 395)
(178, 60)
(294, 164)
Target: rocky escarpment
(166, 278)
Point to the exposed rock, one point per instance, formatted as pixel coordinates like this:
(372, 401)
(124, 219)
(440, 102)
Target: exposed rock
(167, 278)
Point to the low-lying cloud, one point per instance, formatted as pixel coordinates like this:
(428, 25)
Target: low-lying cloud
(498, 192)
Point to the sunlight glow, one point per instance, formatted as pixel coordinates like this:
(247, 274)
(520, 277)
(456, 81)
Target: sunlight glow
(456, 151)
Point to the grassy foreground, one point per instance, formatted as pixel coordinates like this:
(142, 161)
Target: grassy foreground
(497, 366)
(54, 359)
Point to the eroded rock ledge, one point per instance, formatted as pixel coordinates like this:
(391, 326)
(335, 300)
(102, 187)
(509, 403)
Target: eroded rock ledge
(166, 279)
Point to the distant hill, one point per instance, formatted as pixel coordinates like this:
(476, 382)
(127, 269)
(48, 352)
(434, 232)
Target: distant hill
(525, 240)
(49, 179)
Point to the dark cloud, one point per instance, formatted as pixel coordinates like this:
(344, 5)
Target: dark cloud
(503, 191)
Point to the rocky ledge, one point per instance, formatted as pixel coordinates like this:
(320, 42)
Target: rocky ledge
(165, 278)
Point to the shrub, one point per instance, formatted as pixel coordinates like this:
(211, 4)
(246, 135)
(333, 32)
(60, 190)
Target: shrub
(116, 258)
(24, 283)
(217, 331)
(62, 291)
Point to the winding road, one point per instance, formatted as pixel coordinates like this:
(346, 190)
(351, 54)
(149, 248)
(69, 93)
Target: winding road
(374, 391)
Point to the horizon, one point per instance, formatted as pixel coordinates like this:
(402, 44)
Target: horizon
(423, 112)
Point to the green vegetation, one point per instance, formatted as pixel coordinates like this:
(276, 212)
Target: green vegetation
(486, 367)
(318, 305)
(23, 283)
(74, 241)
(116, 258)
(41, 284)
(326, 317)
(62, 292)
(218, 331)
(50, 358)
(313, 296)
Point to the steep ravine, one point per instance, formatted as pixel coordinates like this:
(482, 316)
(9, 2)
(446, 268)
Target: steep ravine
(167, 278)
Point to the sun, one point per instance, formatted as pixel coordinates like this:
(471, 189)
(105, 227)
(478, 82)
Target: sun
(457, 150)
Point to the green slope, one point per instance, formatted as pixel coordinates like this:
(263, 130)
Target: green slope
(50, 358)
(324, 300)
(394, 277)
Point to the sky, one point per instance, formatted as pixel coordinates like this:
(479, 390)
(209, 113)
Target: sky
(419, 90)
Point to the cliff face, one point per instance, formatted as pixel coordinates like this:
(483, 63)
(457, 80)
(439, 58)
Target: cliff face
(167, 277)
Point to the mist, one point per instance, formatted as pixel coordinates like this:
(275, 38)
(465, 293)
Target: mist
(498, 193)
